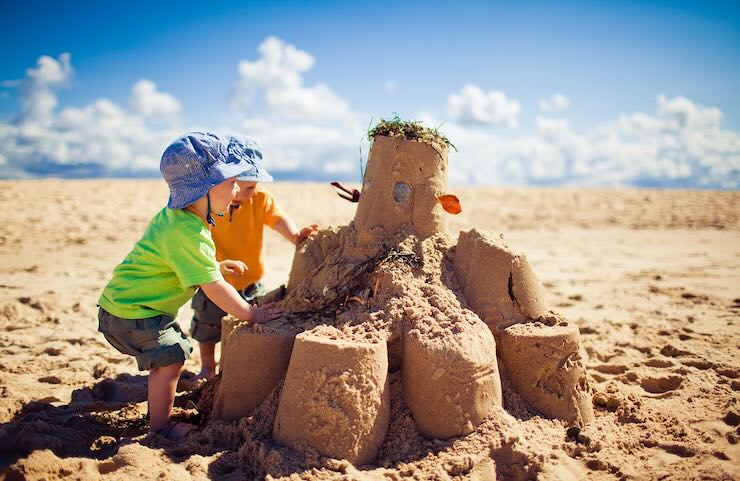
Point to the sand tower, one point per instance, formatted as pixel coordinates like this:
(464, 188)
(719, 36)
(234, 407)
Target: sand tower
(393, 290)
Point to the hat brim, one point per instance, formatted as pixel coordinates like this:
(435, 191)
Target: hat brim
(221, 172)
(255, 177)
(216, 174)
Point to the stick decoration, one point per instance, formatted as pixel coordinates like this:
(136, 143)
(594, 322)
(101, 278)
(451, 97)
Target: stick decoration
(346, 194)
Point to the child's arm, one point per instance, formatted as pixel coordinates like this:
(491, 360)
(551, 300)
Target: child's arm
(287, 228)
(227, 298)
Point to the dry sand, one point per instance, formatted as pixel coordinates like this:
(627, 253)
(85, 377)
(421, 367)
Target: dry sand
(651, 278)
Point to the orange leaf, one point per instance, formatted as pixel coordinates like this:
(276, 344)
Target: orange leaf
(450, 203)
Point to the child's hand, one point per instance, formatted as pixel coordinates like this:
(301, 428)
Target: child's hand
(234, 268)
(305, 233)
(265, 313)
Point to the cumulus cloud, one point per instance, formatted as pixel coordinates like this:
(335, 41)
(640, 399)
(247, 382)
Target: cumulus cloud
(101, 138)
(310, 132)
(98, 139)
(276, 78)
(306, 131)
(149, 102)
(38, 97)
(473, 106)
(554, 103)
(303, 151)
(681, 145)
(682, 113)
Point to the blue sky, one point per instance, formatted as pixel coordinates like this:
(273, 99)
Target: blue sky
(609, 59)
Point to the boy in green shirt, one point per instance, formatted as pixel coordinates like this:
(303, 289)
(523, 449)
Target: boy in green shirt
(175, 256)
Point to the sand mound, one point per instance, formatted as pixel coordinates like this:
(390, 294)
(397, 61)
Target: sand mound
(392, 291)
(657, 316)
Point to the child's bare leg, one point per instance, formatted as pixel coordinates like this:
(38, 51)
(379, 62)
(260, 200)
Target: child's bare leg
(207, 360)
(161, 398)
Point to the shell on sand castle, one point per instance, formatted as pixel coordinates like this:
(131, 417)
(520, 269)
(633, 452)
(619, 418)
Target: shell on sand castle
(335, 396)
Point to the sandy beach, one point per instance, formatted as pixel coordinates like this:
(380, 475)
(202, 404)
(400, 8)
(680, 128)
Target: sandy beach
(651, 278)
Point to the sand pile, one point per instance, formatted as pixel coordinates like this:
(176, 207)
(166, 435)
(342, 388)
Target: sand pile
(658, 318)
(391, 298)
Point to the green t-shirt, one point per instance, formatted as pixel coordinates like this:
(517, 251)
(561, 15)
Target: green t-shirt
(174, 256)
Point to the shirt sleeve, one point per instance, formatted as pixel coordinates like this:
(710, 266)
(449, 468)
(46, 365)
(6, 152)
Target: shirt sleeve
(192, 256)
(272, 213)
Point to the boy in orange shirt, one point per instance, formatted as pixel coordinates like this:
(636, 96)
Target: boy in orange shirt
(238, 238)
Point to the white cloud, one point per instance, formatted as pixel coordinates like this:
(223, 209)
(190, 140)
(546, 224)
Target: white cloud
(309, 132)
(681, 113)
(473, 106)
(148, 102)
(308, 151)
(681, 145)
(554, 103)
(276, 78)
(305, 131)
(101, 138)
(38, 99)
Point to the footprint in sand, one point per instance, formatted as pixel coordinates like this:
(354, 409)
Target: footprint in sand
(671, 351)
(610, 368)
(51, 380)
(52, 351)
(728, 372)
(661, 384)
(695, 298)
(660, 363)
(732, 419)
(677, 449)
(587, 330)
(700, 364)
(735, 303)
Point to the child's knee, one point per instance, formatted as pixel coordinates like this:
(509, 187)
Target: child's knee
(176, 368)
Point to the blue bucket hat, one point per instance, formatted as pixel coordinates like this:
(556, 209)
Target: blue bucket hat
(198, 161)
(256, 171)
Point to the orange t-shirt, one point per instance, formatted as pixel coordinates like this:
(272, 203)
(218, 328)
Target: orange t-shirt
(241, 239)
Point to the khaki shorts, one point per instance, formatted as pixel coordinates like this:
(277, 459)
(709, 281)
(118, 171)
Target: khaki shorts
(206, 323)
(154, 341)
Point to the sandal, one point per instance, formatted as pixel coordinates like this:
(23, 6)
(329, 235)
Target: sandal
(166, 430)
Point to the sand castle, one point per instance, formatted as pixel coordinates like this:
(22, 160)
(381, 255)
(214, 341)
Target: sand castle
(393, 290)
